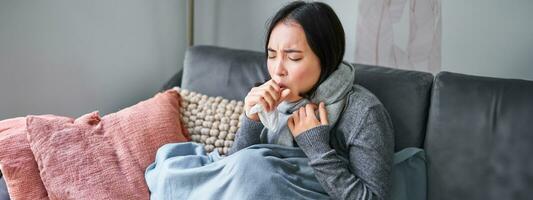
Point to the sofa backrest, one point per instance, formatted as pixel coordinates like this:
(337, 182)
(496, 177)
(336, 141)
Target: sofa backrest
(479, 138)
(224, 72)
(405, 94)
(231, 73)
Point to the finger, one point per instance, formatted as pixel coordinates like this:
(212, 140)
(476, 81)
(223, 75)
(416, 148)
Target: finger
(271, 83)
(273, 92)
(275, 85)
(296, 117)
(269, 99)
(290, 124)
(254, 89)
(323, 114)
(284, 94)
(301, 112)
(263, 103)
(250, 100)
(269, 95)
(310, 110)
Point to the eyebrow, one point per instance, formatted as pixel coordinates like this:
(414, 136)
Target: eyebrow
(287, 50)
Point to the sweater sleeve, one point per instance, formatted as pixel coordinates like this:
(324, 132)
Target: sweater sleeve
(247, 135)
(367, 174)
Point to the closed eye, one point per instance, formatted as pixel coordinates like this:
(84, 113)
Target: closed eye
(295, 59)
(271, 53)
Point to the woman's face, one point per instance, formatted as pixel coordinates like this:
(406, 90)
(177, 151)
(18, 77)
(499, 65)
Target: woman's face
(291, 62)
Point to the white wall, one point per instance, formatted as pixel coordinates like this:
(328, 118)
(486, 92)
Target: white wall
(242, 23)
(488, 37)
(70, 57)
(480, 37)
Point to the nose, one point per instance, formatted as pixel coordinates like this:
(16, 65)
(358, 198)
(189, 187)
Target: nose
(279, 68)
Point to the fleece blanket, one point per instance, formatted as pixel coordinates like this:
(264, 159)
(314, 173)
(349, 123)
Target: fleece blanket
(262, 171)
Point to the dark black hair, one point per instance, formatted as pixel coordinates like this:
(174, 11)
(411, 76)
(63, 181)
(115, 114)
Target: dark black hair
(323, 31)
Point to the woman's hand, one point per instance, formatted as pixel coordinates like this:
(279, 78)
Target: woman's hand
(305, 118)
(269, 95)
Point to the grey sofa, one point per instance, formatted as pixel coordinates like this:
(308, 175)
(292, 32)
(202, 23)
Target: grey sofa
(477, 131)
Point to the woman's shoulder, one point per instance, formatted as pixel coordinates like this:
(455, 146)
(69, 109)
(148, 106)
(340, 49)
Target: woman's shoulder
(363, 108)
(362, 104)
(361, 99)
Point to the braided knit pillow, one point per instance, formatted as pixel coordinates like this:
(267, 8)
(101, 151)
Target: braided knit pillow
(212, 121)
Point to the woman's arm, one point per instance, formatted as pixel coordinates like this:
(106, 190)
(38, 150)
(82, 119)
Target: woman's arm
(367, 175)
(247, 135)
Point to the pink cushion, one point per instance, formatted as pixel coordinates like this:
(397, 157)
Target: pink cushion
(104, 158)
(18, 166)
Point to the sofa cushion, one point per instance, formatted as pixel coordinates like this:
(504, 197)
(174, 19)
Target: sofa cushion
(479, 138)
(218, 71)
(405, 94)
(212, 121)
(17, 163)
(409, 175)
(95, 157)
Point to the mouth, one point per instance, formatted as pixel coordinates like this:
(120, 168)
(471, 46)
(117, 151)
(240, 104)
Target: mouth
(282, 86)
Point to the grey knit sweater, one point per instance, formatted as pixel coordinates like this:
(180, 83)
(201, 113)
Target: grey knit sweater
(352, 160)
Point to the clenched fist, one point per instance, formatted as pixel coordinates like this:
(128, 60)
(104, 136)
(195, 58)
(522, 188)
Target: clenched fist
(269, 95)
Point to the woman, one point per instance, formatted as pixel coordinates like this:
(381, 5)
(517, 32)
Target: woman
(349, 142)
(331, 139)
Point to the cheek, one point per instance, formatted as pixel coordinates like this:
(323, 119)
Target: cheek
(299, 75)
(305, 78)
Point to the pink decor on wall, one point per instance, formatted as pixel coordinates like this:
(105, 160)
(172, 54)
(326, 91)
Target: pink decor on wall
(379, 25)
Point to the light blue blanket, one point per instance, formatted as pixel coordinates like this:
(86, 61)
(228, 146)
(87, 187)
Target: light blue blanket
(262, 171)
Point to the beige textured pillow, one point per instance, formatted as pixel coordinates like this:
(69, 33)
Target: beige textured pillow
(212, 121)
